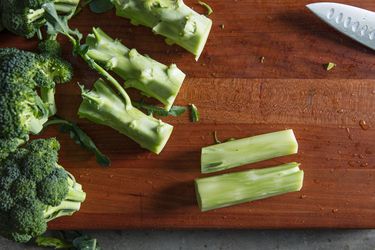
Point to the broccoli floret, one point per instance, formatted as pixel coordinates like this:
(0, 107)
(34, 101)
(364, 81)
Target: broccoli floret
(22, 75)
(30, 200)
(50, 47)
(26, 17)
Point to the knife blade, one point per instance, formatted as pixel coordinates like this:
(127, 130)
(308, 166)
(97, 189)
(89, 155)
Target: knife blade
(357, 23)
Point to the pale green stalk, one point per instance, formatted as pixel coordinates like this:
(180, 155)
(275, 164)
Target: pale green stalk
(235, 188)
(248, 150)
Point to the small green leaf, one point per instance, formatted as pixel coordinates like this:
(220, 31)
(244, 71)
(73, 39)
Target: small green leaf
(100, 6)
(194, 113)
(208, 7)
(81, 138)
(53, 242)
(329, 66)
(154, 110)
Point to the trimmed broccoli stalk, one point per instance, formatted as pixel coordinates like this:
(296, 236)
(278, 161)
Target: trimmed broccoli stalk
(170, 18)
(248, 150)
(235, 188)
(103, 106)
(25, 18)
(141, 72)
(22, 74)
(34, 190)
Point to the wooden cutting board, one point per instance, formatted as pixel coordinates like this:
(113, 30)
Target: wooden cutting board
(238, 96)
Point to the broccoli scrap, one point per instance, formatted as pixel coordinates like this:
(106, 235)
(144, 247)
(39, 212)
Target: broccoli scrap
(25, 18)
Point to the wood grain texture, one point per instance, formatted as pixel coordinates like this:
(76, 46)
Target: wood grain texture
(237, 96)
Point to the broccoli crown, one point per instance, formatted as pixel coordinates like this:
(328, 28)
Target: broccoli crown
(23, 110)
(31, 182)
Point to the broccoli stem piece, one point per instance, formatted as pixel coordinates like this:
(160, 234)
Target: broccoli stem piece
(48, 97)
(235, 188)
(103, 106)
(248, 150)
(172, 19)
(35, 15)
(141, 72)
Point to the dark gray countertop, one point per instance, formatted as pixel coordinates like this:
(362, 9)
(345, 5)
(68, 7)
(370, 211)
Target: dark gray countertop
(225, 240)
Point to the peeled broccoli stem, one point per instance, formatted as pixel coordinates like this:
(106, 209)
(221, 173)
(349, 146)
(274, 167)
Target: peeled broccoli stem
(141, 72)
(235, 188)
(172, 19)
(103, 106)
(71, 203)
(248, 150)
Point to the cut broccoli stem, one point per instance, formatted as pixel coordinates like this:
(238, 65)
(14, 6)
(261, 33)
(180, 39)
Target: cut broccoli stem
(35, 15)
(235, 188)
(141, 72)
(172, 19)
(103, 106)
(48, 97)
(248, 150)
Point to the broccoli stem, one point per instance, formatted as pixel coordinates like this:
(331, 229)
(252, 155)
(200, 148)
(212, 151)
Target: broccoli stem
(66, 6)
(248, 150)
(141, 72)
(35, 15)
(103, 106)
(48, 97)
(107, 76)
(171, 19)
(234, 188)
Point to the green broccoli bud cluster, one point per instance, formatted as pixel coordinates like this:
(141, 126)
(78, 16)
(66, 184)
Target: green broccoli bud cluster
(22, 75)
(35, 190)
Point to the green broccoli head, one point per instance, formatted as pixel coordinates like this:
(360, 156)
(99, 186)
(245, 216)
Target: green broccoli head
(24, 111)
(31, 198)
(26, 17)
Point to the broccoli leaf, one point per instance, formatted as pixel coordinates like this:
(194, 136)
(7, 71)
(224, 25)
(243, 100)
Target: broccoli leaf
(154, 110)
(73, 240)
(56, 243)
(85, 243)
(81, 138)
(100, 6)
